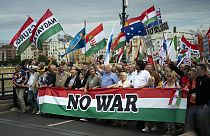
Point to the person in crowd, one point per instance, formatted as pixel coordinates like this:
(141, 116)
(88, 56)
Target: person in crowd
(184, 81)
(153, 73)
(51, 76)
(33, 89)
(108, 77)
(61, 77)
(93, 80)
(73, 82)
(20, 81)
(202, 86)
(130, 69)
(42, 81)
(192, 85)
(153, 125)
(82, 80)
(140, 76)
(14, 95)
(85, 69)
(171, 80)
(123, 82)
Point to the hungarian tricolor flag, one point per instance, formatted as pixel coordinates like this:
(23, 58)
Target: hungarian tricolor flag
(22, 38)
(47, 26)
(95, 41)
(119, 42)
(148, 18)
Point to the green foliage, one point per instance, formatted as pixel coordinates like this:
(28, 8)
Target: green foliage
(44, 59)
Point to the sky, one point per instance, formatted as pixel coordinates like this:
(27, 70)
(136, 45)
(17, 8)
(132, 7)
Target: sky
(186, 15)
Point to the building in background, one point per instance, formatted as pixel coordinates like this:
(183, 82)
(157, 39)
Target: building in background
(7, 52)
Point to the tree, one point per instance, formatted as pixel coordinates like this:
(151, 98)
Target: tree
(43, 58)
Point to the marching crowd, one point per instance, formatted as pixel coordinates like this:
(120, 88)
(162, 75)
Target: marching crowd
(30, 76)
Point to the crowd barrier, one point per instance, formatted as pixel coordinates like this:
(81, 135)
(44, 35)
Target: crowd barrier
(147, 104)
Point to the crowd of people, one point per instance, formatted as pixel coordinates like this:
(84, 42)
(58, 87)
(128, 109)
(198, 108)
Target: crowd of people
(30, 76)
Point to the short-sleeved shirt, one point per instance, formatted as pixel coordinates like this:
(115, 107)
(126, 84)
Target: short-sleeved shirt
(20, 77)
(108, 79)
(141, 78)
(93, 81)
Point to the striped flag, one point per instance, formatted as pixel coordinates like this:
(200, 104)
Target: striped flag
(95, 41)
(119, 42)
(148, 18)
(47, 26)
(21, 40)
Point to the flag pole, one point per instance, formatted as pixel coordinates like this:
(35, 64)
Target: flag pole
(85, 38)
(65, 48)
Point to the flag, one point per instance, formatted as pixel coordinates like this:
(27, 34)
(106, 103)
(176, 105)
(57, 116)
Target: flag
(163, 49)
(139, 53)
(186, 44)
(172, 53)
(129, 52)
(148, 18)
(108, 46)
(175, 100)
(208, 35)
(133, 30)
(122, 51)
(21, 40)
(158, 13)
(95, 41)
(77, 42)
(119, 42)
(47, 26)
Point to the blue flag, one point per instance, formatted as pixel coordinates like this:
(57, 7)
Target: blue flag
(108, 46)
(77, 42)
(134, 30)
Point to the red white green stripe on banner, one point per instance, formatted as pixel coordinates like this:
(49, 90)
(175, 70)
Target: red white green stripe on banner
(114, 103)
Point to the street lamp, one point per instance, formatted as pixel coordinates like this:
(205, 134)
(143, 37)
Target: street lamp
(123, 15)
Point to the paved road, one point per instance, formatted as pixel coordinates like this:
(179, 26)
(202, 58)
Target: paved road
(13, 123)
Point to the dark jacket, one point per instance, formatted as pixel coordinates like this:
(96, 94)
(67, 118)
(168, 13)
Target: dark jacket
(51, 78)
(202, 90)
(76, 84)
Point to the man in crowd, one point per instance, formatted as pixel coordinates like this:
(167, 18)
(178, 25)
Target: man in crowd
(140, 76)
(202, 88)
(108, 77)
(20, 81)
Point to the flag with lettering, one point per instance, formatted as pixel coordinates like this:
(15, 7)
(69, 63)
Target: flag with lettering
(47, 26)
(21, 40)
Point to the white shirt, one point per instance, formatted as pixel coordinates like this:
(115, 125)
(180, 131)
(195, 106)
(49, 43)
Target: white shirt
(31, 80)
(125, 84)
(130, 77)
(140, 79)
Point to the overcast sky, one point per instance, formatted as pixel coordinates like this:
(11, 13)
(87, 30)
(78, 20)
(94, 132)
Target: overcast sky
(185, 14)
